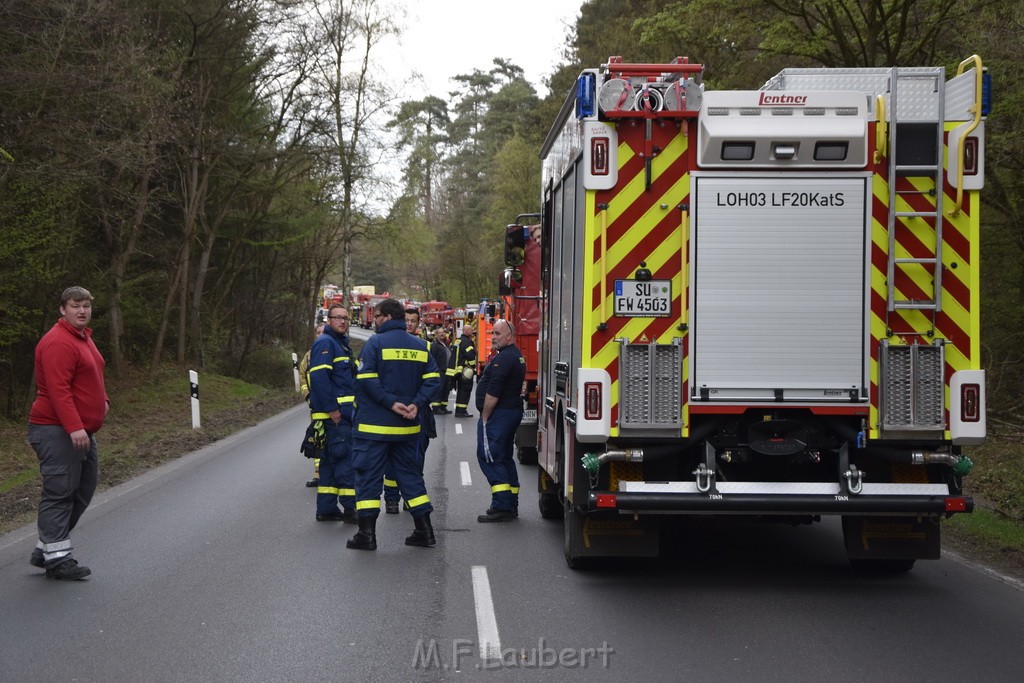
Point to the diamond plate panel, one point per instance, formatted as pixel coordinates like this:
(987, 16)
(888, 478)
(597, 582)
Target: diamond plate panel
(960, 96)
(917, 90)
(917, 97)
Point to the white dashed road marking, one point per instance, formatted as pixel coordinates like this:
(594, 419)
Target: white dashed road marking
(467, 480)
(458, 428)
(486, 623)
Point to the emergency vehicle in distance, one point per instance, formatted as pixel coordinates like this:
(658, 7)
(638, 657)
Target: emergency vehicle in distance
(519, 289)
(329, 296)
(761, 303)
(435, 314)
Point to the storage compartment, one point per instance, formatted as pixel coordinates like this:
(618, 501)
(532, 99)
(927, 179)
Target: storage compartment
(778, 293)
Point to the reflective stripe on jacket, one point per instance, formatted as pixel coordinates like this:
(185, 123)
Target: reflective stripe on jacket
(462, 354)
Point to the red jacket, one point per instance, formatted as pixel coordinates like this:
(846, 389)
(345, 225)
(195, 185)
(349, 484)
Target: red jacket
(69, 380)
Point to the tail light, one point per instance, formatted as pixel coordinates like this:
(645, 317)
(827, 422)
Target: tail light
(970, 402)
(592, 400)
(599, 156)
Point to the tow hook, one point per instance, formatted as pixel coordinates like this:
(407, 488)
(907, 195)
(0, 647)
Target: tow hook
(854, 480)
(705, 478)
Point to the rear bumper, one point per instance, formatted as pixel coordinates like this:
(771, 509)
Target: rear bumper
(780, 499)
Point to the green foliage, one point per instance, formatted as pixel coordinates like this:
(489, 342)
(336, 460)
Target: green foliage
(269, 367)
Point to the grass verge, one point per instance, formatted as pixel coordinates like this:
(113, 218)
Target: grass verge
(994, 533)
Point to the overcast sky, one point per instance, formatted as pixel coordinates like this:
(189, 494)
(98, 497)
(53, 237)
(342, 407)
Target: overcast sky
(443, 38)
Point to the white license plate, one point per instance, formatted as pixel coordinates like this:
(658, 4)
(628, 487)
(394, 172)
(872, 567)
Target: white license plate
(529, 416)
(643, 298)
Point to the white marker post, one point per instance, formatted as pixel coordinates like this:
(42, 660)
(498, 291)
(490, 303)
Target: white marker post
(193, 378)
(295, 369)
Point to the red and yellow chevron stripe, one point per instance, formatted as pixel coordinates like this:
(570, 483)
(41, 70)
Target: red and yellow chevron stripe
(639, 225)
(958, 323)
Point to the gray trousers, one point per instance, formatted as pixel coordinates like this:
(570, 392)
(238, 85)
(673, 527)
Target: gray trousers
(69, 481)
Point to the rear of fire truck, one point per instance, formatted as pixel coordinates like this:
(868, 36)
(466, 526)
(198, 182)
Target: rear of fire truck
(762, 303)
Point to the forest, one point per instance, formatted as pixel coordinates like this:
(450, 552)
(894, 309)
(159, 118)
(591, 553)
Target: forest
(205, 166)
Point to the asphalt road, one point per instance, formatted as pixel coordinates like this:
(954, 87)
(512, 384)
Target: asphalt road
(212, 568)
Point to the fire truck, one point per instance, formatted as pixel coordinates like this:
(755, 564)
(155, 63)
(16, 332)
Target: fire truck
(434, 314)
(330, 296)
(761, 303)
(519, 288)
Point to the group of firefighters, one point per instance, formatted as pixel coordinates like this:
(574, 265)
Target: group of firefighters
(372, 418)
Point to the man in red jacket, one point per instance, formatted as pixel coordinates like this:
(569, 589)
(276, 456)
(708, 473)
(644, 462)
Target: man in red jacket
(71, 404)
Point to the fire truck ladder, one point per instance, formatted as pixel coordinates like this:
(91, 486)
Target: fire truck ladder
(916, 96)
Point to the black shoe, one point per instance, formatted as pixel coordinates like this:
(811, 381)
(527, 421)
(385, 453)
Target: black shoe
(350, 517)
(366, 537)
(442, 411)
(423, 536)
(312, 482)
(68, 570)
(391, 507)
(37, 559)
(330, 517)
(493, 515)
(463, 413)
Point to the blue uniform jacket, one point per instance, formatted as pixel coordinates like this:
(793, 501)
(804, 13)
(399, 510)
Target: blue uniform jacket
(332, 376)
(393, 366)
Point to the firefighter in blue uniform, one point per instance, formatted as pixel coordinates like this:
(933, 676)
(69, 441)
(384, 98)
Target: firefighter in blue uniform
(331, 401)
(462, 363)
(429, 428)
(397, 379)
(500, 402)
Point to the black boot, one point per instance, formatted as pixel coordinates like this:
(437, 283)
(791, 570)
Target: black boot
(424, 533)
(366, 537)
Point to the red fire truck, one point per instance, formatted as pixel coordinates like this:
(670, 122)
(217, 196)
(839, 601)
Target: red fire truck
(519, 287)
(434, 314)
(761, 303)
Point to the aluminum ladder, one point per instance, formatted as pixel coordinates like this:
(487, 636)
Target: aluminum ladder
(927, 109)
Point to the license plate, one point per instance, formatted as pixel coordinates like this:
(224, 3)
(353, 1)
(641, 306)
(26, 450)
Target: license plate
(529, 416)
(643, 298)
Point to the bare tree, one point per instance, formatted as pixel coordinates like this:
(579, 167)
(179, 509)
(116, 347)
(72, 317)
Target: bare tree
(342, 39)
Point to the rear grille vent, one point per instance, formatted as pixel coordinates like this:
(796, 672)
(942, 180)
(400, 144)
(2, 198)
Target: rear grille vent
(650, 386)
(912, 387)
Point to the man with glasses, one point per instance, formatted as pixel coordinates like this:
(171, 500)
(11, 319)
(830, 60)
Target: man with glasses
(331, 400)
(396, 381)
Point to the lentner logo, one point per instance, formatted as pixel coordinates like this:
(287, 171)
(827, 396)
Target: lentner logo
(784, 100)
